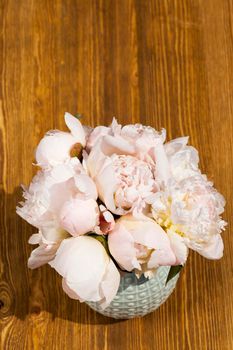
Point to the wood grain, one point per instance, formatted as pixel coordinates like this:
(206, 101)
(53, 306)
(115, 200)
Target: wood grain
(165, 63)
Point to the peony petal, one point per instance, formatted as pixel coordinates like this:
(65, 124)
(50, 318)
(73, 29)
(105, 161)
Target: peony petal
(96, 135)
(86, 289)
(121, 246)
(106, 221)
(95, 161)
(108, 216)
(35, 238)
(116, 145)
(179, 247)
(162, 164)
(42, 255)
(175, 145)
(161, 258)
(54, 149)
(52, 234)
(150, 235)
(60, 194)
(110, 284)
(76, 128)
(106, 184)
(70, 292)
(115, 127)
(82, 262)
(87, 186)
(214, 249)
(61, 173)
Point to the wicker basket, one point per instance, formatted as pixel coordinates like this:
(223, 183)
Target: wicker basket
(138, 297)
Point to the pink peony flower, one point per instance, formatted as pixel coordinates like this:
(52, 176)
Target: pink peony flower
(55, 148)
(79, 216)
(88, 272)
(124, 183)
(128, 165)
(140, 245)
(53, 191)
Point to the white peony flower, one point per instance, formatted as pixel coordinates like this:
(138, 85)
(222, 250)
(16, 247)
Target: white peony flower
(140, 245)
(56, 146)
(50, 193)
(88, 272)
(192, 209)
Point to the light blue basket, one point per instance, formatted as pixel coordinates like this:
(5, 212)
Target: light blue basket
(138, 297)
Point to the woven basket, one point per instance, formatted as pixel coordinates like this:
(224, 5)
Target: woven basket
(138, 297)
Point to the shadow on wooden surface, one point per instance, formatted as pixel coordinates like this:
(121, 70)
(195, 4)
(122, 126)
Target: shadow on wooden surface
(42, 285)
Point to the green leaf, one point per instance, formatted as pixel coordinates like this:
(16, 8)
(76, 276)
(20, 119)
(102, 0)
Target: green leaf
(102, 240)
(174, 270)
(78, 116)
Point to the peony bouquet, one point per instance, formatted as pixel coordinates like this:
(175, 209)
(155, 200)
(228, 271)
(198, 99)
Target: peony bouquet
(112, 200)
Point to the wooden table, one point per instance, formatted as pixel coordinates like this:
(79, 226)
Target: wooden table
(163, 63)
